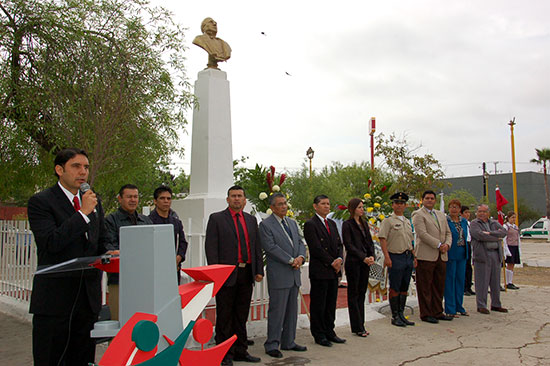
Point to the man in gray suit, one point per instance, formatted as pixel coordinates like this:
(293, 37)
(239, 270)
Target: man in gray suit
(285, 253)
(487, 255)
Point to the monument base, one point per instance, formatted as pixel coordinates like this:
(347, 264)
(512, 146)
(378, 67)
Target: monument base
(194, 212)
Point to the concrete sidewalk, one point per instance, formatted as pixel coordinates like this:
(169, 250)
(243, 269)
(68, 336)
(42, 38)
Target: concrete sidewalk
(521, 337)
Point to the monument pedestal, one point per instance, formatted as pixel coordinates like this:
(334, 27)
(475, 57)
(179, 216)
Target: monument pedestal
(211, 160)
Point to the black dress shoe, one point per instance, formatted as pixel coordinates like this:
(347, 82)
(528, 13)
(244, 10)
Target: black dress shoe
(511, 286)
(227, 362)
(499, 309)
(275, 353)
(445, 317)
(247, 358)
(324, 342)
(336, 339)
(296, 348)
(430, 319)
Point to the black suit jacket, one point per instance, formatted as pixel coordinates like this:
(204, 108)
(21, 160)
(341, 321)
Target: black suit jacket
(358, 247)
(222, 245)
(323, 248)
(60, 234)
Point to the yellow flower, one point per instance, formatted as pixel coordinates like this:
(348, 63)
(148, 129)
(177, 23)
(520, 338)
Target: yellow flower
(370, 209)
(376, 205)
(385, 203)
(382, 217)
(372, 220)
(367, 196)
(290, 213)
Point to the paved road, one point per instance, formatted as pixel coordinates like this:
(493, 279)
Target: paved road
(521, 337)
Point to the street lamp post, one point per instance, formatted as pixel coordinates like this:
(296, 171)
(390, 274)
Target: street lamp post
(309, 154)
(372, 129)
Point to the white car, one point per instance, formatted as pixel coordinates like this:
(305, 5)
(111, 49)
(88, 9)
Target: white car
(539, 229)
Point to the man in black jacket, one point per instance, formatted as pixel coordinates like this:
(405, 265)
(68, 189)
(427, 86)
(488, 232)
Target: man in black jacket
(163, 214)
(66, 224)
(232, 237)
(126, 215)
(325, 265)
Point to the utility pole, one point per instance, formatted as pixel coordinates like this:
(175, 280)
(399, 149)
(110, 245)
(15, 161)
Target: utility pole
(372, 129)
(514, 181)
(496, 163)
(485, 185)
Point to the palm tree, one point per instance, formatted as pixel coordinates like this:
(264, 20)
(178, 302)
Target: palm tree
(543, 156)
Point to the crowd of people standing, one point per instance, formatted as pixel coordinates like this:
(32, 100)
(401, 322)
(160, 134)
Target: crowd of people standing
(69, 223)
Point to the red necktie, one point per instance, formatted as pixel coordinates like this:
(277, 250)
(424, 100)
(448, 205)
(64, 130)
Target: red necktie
(76, 203)
(326, 224)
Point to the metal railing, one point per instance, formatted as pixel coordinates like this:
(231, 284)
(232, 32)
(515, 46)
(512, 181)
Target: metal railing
(17, 259)
(18, 264)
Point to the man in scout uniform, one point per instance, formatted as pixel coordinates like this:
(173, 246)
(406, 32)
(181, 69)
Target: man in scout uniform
(396, 239)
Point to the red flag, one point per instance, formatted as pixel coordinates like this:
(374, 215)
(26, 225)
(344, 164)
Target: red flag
(501, 201)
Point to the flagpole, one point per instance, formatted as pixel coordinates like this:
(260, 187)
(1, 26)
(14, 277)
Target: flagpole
(514, 181)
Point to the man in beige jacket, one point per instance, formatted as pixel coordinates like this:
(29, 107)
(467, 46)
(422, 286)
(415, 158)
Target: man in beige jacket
(433, 241)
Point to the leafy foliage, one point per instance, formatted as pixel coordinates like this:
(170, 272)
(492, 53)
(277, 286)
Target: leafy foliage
(106, 76)
(543, 157)
(339, 182)
(414, 173)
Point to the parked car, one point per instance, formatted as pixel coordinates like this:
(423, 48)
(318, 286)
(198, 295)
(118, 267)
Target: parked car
(539, 230)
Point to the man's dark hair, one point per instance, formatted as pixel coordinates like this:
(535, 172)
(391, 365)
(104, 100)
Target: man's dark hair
(126, 186)
(320, 197)
(65, 155)
(429, 191)
(160, 190)
(464, 209)
(235, 188)
(275, 196)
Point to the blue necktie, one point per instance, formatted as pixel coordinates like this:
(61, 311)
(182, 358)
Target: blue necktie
(287, 229)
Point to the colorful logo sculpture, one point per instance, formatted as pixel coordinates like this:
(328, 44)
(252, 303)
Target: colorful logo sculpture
(136, 342)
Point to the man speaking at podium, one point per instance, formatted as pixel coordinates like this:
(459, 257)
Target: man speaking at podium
(66, 224)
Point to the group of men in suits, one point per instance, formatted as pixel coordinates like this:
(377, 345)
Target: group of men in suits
(233, 237)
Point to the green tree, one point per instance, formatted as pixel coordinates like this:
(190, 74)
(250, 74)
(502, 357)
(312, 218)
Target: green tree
(543, 156)
(106, 76)
(414, 173)
(339, 182)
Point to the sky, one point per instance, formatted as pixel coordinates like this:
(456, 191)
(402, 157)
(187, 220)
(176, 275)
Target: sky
(447, 75)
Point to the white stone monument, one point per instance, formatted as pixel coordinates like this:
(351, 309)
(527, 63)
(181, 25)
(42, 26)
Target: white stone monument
(211, 159)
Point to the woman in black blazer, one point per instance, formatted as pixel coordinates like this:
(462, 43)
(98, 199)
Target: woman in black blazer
(359, 256)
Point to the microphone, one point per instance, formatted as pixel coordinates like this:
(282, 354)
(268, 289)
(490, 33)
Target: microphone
(84, 187)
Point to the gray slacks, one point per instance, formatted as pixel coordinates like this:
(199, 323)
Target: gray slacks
(487, 275)
(282, 318)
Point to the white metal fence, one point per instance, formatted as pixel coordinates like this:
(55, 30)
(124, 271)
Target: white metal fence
(17, 259)
(18, 264)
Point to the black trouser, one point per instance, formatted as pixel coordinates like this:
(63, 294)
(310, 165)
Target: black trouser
(232, 308)
(323, 296)
(50, 335)
(357, 274)
(400, 271)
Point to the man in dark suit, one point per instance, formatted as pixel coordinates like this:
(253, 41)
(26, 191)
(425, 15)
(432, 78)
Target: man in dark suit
(66, 224)
(285, 253)
(325, 250)
(232, 237)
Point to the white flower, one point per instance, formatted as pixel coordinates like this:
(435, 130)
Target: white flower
(262, 196)
(276, 188)
(289, 205)
(269, 212)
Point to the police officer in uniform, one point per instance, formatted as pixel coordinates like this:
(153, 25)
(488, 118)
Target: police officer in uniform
(396, 239)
